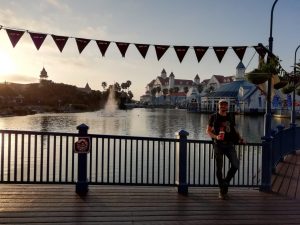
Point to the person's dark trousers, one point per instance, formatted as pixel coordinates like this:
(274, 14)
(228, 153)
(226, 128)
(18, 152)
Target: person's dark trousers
(219, 151)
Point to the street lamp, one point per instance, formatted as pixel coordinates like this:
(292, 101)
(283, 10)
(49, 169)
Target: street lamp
(293, 114)
(268, 116)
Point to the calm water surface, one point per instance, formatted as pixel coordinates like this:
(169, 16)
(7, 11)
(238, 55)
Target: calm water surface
(135, 122)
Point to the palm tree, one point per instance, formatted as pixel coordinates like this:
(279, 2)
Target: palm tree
(186, 89)
(124, 86)
(128, 83)
(165, 92)
(104, 85)
(176, 89)
(153, 93)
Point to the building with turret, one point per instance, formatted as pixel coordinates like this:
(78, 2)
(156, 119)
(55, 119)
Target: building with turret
(165, 88)
(242, 95)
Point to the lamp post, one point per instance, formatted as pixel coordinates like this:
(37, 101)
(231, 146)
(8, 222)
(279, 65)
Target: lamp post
(268, 116)
(293, 113)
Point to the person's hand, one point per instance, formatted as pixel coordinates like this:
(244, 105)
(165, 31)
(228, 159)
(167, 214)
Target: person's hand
(242, 141)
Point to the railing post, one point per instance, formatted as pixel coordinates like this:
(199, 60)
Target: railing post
(181, 162)
(82, 182)
(266, 175)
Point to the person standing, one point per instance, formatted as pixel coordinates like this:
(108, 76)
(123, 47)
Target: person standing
(221, 128)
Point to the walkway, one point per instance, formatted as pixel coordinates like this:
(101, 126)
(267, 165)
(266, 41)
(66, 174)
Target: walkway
(286, 180)
(59, 204)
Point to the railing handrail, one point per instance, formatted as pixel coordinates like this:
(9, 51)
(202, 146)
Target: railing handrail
(112, 136)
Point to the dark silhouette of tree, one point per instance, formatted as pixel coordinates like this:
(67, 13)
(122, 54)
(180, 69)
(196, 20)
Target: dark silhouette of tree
(104, 85)
(128, 83)
(186, 89)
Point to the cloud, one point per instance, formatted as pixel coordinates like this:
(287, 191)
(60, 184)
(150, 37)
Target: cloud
(59, 5)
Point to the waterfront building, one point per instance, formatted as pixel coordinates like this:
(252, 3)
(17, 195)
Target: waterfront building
(242, 95)
(168, 90)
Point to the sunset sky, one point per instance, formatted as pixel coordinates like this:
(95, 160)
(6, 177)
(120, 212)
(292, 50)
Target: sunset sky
(155, 22)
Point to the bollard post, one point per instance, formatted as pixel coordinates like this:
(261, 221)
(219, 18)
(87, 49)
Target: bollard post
(181, 162)
(82, 182)
(266, 176)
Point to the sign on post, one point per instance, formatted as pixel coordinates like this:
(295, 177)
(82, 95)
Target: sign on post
(82, 145)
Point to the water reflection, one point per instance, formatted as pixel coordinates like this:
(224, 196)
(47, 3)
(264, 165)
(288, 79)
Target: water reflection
(59, 122)
(136, 122)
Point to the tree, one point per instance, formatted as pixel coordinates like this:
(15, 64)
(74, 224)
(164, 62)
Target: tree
(128, 83)
(130, 95)
(165, 92)
(200, 88)
(124, 86)
(153, 93)
(176, 89)
(210, 89)
(117, 87)
(186, 89)
(158, 89)
(104, 85)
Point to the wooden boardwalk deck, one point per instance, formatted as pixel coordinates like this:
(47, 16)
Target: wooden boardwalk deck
(286, 180)
(59, 204)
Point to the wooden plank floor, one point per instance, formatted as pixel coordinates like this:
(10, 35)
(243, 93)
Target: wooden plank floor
(286, 180)
(59, 204)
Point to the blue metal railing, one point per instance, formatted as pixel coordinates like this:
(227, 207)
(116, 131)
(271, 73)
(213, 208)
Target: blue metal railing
(282, 142)
(48, 157)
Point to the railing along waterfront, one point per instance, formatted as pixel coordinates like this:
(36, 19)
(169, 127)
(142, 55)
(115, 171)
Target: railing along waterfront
(48, 157)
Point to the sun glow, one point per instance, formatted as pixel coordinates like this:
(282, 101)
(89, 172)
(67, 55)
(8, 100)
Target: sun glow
(7, 65)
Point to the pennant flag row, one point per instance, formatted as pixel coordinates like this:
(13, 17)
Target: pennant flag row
(60, 41)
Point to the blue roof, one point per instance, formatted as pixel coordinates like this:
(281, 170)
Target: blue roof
(231, 89)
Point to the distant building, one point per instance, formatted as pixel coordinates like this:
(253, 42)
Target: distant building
(242, 95)
(167, 89)
(86, 89)
(44, 77)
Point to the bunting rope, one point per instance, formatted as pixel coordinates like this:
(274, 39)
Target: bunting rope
(38, 38)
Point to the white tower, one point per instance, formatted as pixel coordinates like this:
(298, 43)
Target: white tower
(240, 71)
(163, 74)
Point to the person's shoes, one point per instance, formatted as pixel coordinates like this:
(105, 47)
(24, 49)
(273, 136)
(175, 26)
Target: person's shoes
(224, 188)
(223, 196)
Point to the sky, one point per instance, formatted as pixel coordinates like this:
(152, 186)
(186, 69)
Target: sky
(155, 22)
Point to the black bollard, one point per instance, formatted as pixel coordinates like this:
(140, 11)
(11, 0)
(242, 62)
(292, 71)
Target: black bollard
(82, 145)
(181, 152)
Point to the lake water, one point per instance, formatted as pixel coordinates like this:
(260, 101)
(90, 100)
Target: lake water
(136, 122)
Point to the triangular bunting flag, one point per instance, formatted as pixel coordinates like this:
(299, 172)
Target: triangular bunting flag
(123, 46)
(102, 45)
(14, 36)
(81, 43)
(60, 41)
(143, 49)
(160, 50)
(200, 51)
(37, 39)
(220, 52)
(260, 50)
(181, 51)
(240, 51)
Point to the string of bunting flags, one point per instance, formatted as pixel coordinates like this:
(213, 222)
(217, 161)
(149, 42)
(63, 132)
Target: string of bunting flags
(60, 41)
